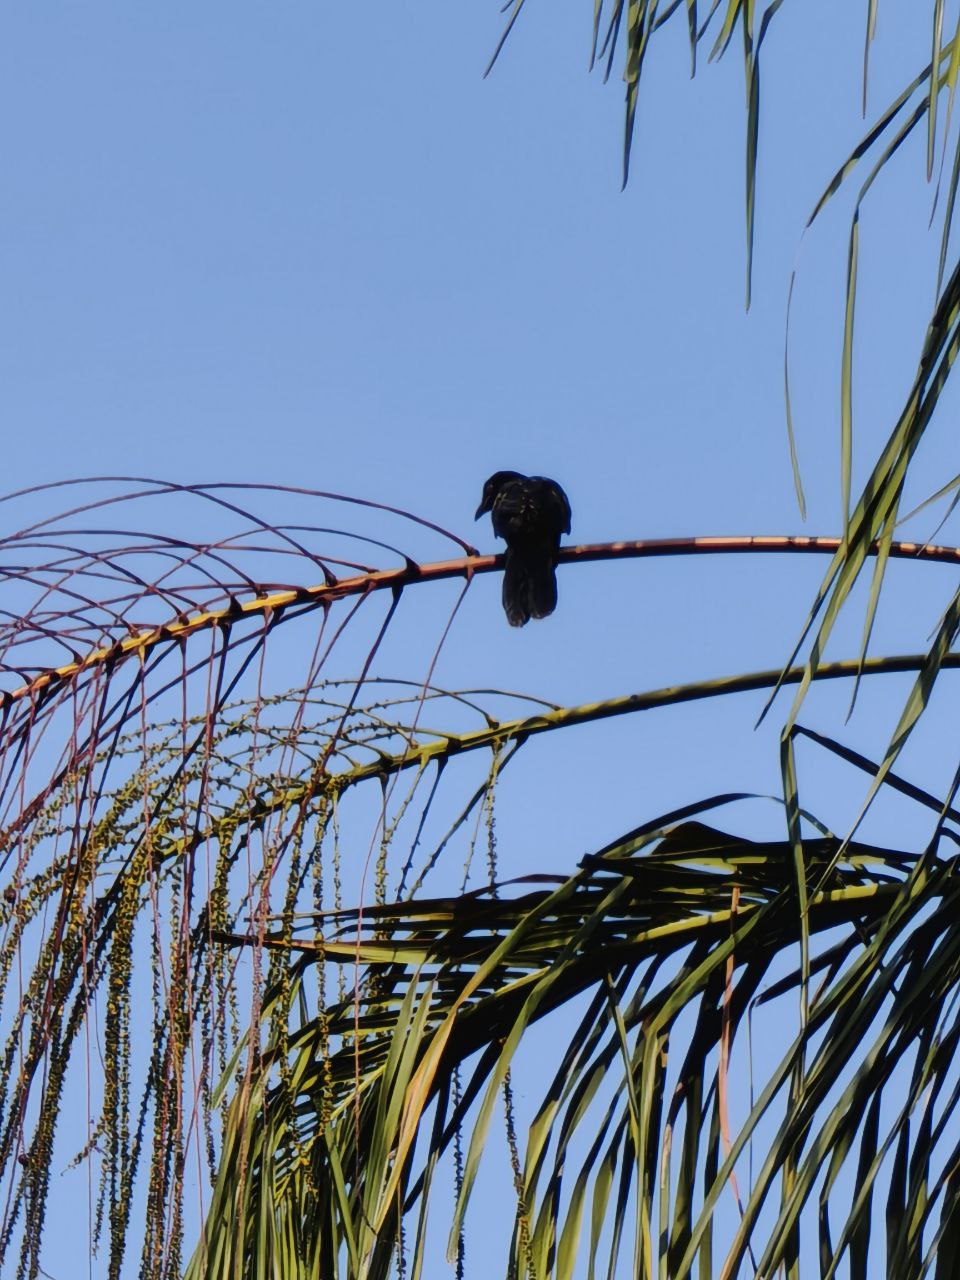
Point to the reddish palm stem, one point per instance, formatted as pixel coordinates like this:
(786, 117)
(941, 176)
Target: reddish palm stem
(411, 574)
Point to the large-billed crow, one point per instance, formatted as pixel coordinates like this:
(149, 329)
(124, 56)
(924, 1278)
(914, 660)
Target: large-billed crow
(529, 513)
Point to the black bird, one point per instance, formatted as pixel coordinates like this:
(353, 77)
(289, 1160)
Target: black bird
(529, 513)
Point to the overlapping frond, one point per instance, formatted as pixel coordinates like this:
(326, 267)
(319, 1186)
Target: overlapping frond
(658, 952)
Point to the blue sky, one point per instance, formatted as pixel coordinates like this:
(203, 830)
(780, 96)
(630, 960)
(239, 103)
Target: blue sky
(305, 245)
(287, 231)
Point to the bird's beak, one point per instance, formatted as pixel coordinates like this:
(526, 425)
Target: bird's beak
(482, 510)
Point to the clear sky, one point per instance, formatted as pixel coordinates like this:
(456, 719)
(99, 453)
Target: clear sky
(310, 244)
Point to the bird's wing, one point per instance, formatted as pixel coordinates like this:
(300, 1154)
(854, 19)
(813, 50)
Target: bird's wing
(554, 505)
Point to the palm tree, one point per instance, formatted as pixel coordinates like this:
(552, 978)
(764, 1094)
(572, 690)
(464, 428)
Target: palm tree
(752, 1039)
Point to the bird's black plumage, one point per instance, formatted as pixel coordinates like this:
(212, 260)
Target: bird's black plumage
(529, 513)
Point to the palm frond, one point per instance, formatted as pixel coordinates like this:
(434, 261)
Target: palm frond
(656, 948)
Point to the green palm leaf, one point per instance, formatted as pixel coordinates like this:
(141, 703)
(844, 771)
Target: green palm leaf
(643, 932)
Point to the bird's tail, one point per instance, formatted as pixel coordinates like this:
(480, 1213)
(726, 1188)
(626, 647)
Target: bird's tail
(529, 586)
